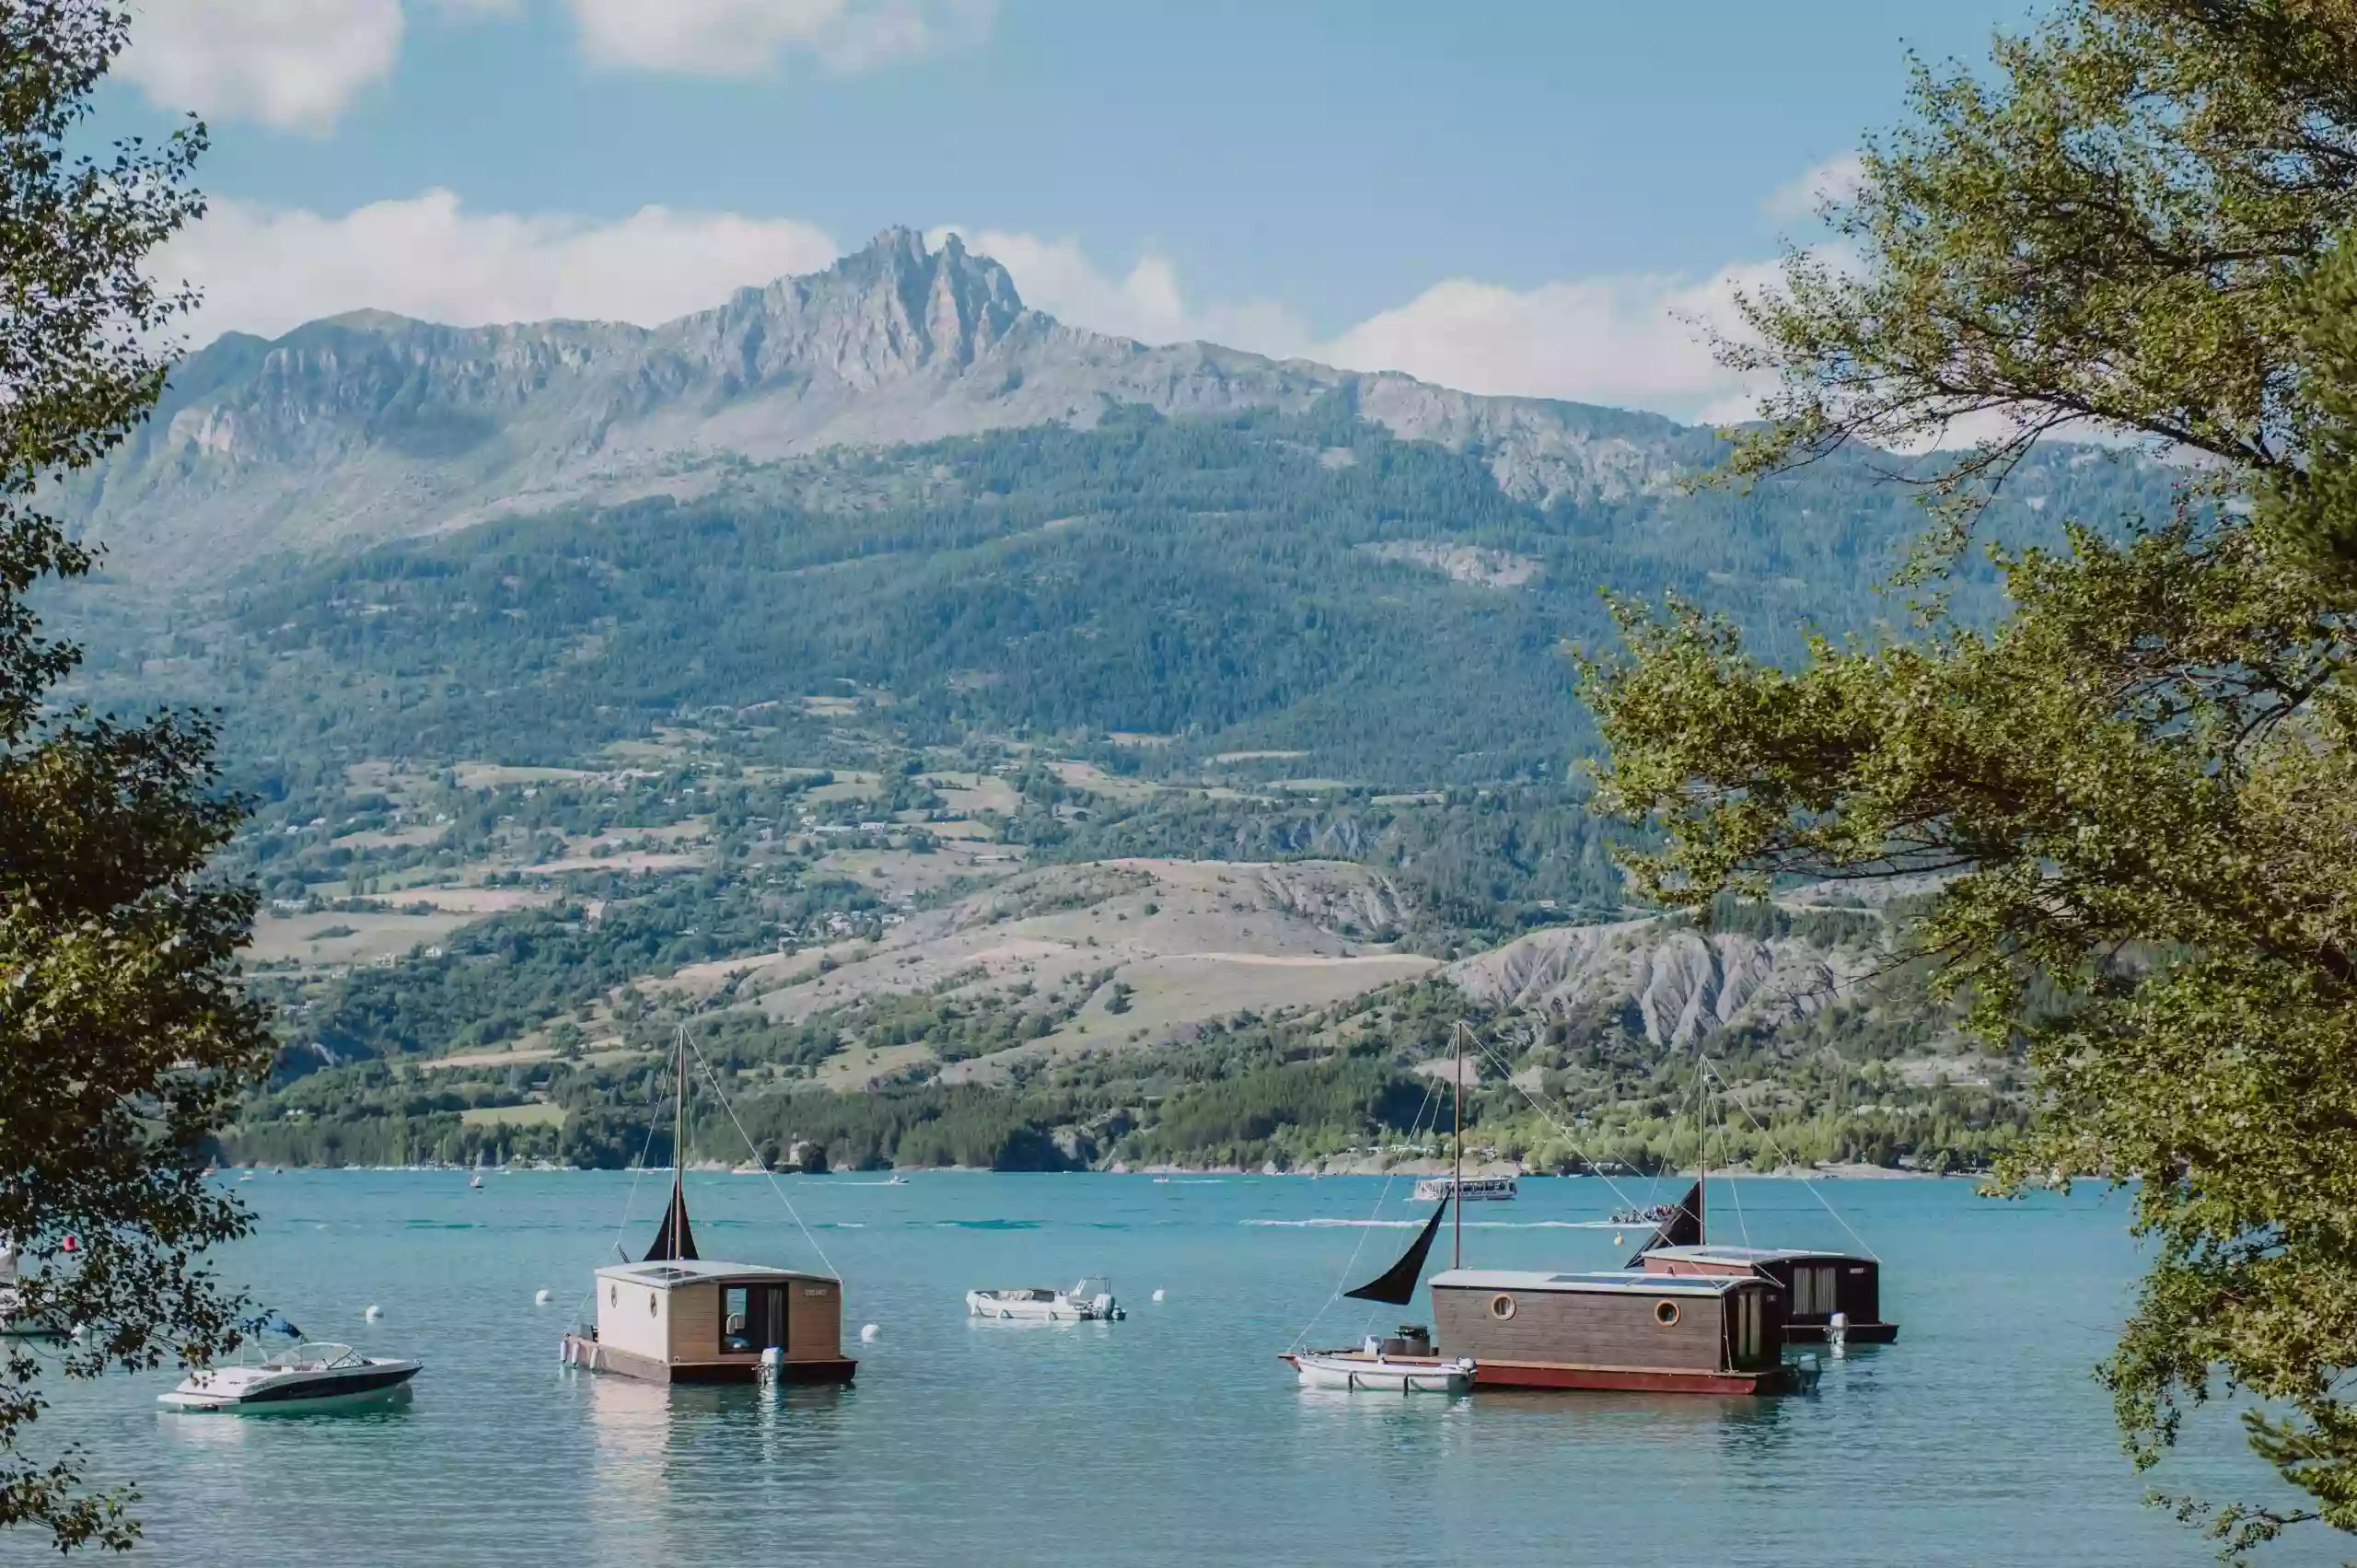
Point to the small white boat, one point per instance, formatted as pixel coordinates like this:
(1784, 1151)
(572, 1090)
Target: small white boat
(309, 1377)
(1469, 1189)
(15, 1323)
(1089, 1301)
(475, 1182)
(1356, 1369)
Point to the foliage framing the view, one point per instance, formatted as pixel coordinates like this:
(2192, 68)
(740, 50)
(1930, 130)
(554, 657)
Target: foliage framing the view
(124, 1036)
(2139, 783)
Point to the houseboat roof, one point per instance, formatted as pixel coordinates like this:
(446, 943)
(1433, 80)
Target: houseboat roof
(1749, 1255)
(1618, 1280)
(662, 1274)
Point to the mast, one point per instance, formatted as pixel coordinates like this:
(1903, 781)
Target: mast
(1457, 1157)
(1702, 1143)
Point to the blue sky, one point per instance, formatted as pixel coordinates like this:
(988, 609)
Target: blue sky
(1507, 192)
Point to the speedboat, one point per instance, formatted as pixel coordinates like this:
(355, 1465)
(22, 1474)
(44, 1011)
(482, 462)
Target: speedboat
(1089, 1301)
(308, 1377)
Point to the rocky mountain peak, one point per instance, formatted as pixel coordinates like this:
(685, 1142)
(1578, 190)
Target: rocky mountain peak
(892, 309)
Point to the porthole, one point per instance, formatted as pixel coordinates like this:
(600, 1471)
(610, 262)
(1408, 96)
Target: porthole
(613, 1296)
(651, 1300)
(1665, 1314)
(1501, 1308)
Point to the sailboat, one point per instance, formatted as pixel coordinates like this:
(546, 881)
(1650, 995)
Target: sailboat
(1631, 1328)
(677, 1316)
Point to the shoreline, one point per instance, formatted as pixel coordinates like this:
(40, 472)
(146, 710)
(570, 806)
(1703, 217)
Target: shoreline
(1418, 1169)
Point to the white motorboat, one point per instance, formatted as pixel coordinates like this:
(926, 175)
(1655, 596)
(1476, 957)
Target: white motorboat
(15, 1323)
(1352, 1370)
(1468, 1189)
(308, 1377)
(1089, 1301)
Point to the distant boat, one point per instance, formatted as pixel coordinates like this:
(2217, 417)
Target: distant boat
(308, 1377)
(1468, 1190)
(475, 1182)
(1089, 1301)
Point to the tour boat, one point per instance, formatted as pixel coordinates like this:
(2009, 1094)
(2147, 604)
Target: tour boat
(675, 1316)
(1089, 1301)
(1468, 1190)
(308, 1377)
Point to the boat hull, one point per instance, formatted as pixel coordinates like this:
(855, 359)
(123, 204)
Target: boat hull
(1491, 1374)
(378, 1385)
(590, 1354)
(1357, 1372)
(1857, 1333)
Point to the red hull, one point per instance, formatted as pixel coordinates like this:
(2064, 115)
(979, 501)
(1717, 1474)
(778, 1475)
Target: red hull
(1545, 1375)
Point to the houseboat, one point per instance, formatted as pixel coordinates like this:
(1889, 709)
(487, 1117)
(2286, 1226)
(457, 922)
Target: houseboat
(674, 1316)
(1633, 1329)
(1817, 1287)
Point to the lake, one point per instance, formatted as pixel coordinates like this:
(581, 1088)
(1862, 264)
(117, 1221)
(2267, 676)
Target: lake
(1979, 1439)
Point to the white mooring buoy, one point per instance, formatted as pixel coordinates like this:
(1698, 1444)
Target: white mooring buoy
(539, 1299)
(867, 1333)
(1157, 1296)
(373, 1312)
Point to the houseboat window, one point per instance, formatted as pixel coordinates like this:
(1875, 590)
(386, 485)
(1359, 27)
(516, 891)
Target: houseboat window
(1813, 1291)
(752, 1318)
(1502, 1306)
(1665, 1314)
(1749, 1312)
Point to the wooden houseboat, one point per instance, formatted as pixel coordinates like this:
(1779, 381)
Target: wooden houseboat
(1703, 1334)
(676, 1318)
(1815, 1285)
(1636, 1329)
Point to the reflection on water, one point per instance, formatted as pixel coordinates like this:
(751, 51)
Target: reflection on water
(1175, 1438)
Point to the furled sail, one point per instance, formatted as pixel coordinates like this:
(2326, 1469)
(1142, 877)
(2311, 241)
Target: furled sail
(1682, 1228)
(674, 1240)
(1397, 1284)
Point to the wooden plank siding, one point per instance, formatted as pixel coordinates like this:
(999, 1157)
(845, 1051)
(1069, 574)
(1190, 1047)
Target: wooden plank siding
(1589, 1327)
(814, 1320)
(695, 1321)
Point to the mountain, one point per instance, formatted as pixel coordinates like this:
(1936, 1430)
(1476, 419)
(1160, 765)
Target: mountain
(370, 426)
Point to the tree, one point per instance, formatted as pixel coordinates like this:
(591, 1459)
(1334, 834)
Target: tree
(2139, 788)
(124, 1035)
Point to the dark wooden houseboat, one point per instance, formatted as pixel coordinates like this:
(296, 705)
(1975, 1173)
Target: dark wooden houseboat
(1816, 1285)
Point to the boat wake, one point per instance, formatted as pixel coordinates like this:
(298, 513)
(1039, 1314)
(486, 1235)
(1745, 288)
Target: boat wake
(1410, 1225)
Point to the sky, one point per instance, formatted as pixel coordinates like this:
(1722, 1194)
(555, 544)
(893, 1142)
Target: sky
(1534, 197)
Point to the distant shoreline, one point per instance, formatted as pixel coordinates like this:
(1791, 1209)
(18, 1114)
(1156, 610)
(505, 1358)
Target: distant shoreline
(1419, 1170)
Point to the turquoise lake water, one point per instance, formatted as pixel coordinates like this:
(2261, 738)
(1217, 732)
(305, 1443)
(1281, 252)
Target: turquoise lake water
(1174, 1437)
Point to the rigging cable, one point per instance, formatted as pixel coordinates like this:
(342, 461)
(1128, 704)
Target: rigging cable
(1350, 1268)
(750, 1148)
(1808, 1180)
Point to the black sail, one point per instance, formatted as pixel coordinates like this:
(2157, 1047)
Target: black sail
(674, 1240)
(1397, 1284)
(1683, 1228)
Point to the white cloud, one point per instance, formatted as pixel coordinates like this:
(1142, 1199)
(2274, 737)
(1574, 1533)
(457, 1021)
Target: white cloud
(1629, 342)
(1632, 341)
(293, 64)
(745, 38)
(265, 270)
(1146, 303)
(1836, 180)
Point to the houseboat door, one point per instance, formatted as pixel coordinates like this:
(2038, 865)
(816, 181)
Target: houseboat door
(752, 1318)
